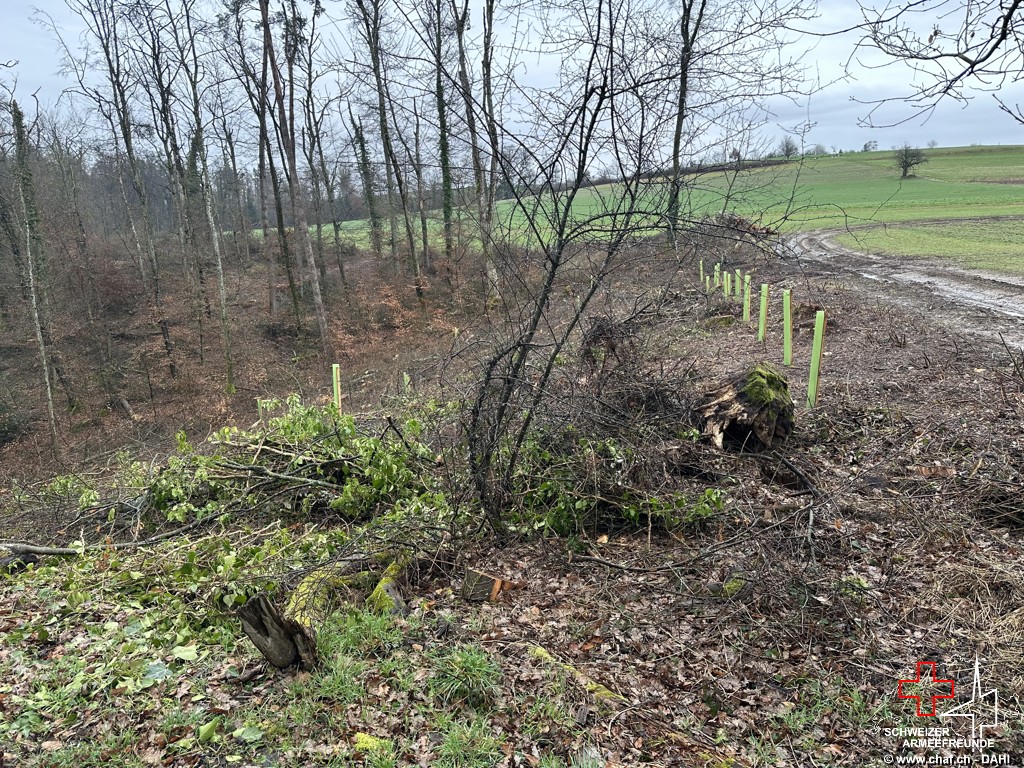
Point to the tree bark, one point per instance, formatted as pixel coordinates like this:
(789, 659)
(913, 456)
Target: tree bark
(33, 253)
(690, 25)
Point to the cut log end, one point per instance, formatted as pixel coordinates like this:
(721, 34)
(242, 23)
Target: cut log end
(478, 587)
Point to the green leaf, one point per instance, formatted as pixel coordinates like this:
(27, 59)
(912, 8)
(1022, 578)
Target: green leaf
(185, 652)
(249, 734)
(208, 731)
(156, 670)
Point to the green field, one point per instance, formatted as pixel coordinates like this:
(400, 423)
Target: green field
(849, 190)
(857, 188)
(994, 244)
(852, 189)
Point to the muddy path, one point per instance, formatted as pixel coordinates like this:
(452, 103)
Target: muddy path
(973, 301)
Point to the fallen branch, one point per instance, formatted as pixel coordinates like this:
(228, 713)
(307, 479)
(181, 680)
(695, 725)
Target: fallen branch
(25, 548)
(595, 689)
(801, 476)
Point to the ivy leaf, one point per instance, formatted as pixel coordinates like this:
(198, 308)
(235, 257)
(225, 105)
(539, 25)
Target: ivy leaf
(156, 670)
(185, 652)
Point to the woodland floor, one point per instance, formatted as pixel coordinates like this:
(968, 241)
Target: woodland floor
(775, 634)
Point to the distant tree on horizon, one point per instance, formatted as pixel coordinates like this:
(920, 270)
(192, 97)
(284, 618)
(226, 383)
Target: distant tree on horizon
(788, 147)
(907, 157)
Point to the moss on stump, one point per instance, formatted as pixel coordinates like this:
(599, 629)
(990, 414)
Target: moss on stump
(752, 412)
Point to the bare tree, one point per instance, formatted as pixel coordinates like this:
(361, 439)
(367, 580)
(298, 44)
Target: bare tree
(316, 109)
(720, 57)
(483, 174)
(184, 34)
(34, 257)
(907, 158)
(167, 45)
(435, 17)
(287, 138)
(369, 16)
(255, 82)
(691, 27)
(366, 176)
(402, 185)
(104, 23)
(610, 116)
(788, 147)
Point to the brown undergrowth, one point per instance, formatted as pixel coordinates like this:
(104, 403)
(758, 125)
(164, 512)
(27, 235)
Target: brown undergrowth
(775, 631)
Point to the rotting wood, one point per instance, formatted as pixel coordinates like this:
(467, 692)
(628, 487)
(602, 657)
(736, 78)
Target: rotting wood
(287, 636)
(277, 637)
(595, 689)
(752, 412)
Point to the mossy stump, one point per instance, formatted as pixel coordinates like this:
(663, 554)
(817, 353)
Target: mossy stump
(753, 412)
(287, 636)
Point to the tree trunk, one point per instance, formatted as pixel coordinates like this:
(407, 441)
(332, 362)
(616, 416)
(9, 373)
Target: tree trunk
(33, 252)
(370, 22)
(490, 189)
(442, 140)
(366, 177)
(689, 29)
(287, 137)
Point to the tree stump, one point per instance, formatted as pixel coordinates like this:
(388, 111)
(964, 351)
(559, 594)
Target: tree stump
(753, 412)
(283, 641)
(288, 636)
(478, 586)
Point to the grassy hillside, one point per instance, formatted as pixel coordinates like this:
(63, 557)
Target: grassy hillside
(957, 182)
(845, 190)
(993, 244)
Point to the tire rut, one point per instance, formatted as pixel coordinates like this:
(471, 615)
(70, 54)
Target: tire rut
(985, 303)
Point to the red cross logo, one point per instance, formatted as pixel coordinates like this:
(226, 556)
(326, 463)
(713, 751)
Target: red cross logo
(927, 685)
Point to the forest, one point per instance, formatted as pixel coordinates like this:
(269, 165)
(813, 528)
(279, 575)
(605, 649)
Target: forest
(217, 171)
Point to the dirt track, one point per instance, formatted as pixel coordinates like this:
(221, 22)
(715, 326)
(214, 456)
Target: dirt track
(986, 303)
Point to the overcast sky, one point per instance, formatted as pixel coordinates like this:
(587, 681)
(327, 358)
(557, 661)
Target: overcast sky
(834, 111)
